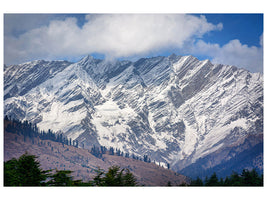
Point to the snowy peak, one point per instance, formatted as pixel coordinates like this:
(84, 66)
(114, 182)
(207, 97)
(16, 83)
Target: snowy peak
(19, 79)
(176, 109)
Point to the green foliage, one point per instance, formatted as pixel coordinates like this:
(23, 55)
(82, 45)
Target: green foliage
(129, 179)
(115, 177)
(61, 178)
(235, 179)
(25, 171)
(197, 182)
(98, 179)
(247, 178)
(11, 177)
(251, 178)
(212, 181)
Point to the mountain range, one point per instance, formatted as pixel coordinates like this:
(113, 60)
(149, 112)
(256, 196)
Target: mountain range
(195, 115)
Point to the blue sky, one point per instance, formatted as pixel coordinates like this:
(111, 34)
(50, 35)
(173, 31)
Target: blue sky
(234, 39)
(246, 27)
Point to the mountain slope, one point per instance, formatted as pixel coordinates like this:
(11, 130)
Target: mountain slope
(19, 79)
(54, 155)
(175, 109)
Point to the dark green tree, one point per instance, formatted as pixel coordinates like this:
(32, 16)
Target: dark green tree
(129, 179)
(227, 181)
(11, 177)
(115, 177)
(247, 178)
(25, 171)
(197, 182)
(118, 152)
(76, 143)
(145, 158)
(235, 180)
(6, 118)
(251, 178)
(168, 165)
(221, 182)
(213, 180)
(111, 151)
(98, 179)
(61, 178)
(103, 149)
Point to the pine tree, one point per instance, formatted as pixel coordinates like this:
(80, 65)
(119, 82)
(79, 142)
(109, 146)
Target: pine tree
(129, 179)
(25, 171)
(213, 180)
(235, 179)
(103, 149)
(111, 151)
(197, 182)
(61, 178)
(227, 181)
(11, 177)
(168, 165)
(251, 178)
(115, 177)
(145, 158)
(118, 152)
(76, 143)
(98, 179)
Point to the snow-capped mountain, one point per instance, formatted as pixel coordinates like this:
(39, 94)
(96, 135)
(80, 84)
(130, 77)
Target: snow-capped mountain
(175, 109)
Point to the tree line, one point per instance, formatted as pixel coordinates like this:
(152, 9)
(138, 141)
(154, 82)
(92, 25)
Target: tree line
(99, 151)
(246, 178)
(31, 131)
(26, 171)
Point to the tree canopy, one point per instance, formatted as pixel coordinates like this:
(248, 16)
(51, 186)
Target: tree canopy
(26, 171)
(115, 177)
(246, 178)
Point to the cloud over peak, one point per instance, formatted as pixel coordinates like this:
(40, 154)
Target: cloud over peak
(114, 35)
(30, 37)
(232, 53)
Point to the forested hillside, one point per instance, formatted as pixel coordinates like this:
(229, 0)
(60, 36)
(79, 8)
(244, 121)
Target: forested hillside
(26, 171)
(56, 152)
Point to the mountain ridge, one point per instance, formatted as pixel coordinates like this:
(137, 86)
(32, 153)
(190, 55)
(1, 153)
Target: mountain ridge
(176, 109)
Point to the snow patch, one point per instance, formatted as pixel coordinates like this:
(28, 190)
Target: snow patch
(111, 121)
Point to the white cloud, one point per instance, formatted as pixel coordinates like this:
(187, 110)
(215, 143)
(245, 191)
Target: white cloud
(114, 35)
(232, 53)
(121, 35)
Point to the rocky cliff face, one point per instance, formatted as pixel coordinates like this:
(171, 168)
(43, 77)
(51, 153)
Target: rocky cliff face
(175, 109)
